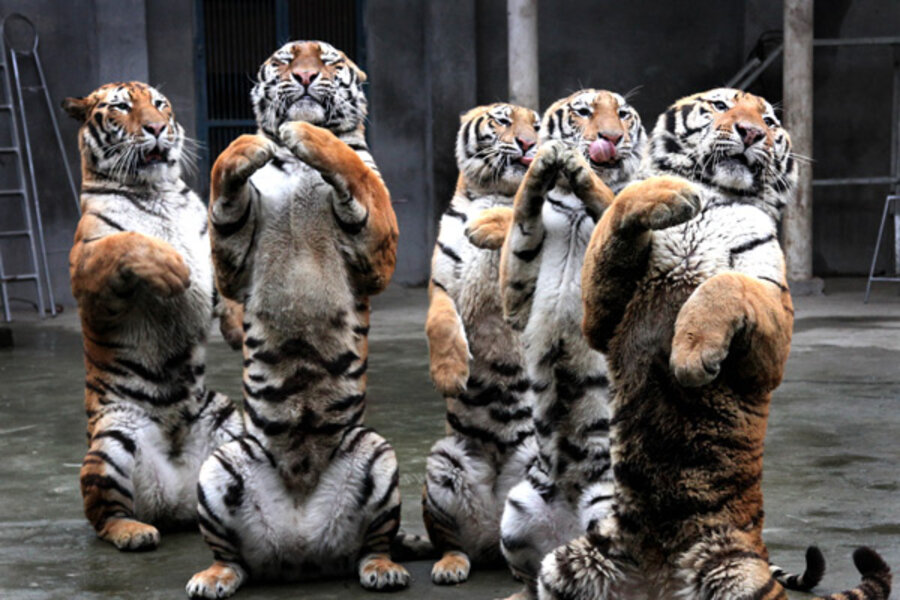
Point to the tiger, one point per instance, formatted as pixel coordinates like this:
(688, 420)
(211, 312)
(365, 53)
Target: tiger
(303, 233)
(684, 291)
(591, 144)
(141, 273)
(476, 358)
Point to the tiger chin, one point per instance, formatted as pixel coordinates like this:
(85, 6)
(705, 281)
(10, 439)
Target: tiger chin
(591, 145)
(141, 272)
(476, 358)
(303, 232)
(684, 290)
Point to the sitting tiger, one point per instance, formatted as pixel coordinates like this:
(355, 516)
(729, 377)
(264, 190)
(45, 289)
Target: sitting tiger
(684, 291)
(476, 358)
(303, 232)
(591, 141)
(141, 273)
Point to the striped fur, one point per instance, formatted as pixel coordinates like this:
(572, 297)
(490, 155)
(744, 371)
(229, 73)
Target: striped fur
(476, 358)
(141, 272)
(684, 289)
(568, 486)
(302, 234)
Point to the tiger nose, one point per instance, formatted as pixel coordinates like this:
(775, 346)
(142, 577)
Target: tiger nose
(749, 133)
(524, 144)
(611, 136)
(305, 77)
(155, 129)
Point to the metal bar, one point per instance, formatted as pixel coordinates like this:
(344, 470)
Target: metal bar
(861, 41)
(32, 179)
(884, 214)
(798, 113)
(59, 142)
(744, 70)
(855, 181)
(522, 18)
(759, 70)
(4, 293)
(895, 153)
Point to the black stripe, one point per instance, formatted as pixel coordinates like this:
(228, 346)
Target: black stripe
(452, 212)
(348, 227)
(750, 245)
(105, 482)
(127, 443)
(107, 220)
(451, 254)
(232, 227)
(107, 459)
(529, 255)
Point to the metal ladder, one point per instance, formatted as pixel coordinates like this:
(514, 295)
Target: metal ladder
(7, 111)
(34, 234)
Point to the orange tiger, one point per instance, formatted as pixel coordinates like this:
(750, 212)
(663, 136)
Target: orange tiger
(141, 273)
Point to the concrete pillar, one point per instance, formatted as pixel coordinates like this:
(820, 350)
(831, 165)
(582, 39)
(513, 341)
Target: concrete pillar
(798, 118)
(523, 52)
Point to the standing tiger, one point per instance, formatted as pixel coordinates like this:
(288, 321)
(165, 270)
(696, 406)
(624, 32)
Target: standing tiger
(590, 141)
(303, 232)
(685, 292)
(141, 273)
(476, 358)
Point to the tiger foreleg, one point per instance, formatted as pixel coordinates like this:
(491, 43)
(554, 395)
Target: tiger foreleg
(361, 206)
(106, 273)
(447, 345)
(519, 256)
(231, 211)
(733, 312)
(616, 257)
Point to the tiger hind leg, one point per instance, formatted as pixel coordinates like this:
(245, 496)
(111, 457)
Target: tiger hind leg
(107, 487)
(725, 565)
(584, 569)
(458, 507)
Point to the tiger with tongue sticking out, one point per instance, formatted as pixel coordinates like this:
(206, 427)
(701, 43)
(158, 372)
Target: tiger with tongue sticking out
(591, 144)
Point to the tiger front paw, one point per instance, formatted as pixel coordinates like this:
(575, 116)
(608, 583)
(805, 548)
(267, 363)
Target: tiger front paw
(697, 354)
(152, 262)
(129, 535)
(379, 572)
(548, 162)
(450, 372)
(658, 203)
(309, 143)
(488, 230)
(221, 580)
(451, 569)
(241, 159)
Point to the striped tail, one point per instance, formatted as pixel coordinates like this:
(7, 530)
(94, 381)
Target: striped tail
(811, 576)
(876, 578)
(407, 546)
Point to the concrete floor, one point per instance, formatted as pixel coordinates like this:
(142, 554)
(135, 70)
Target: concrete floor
(831, 474)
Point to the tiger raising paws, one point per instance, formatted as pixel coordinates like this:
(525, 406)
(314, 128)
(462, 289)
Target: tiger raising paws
(303, 232)
(141, 273)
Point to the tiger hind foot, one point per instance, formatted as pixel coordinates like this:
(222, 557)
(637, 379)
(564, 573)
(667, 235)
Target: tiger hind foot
(221, 580)
(452, 568)
(584, 557)
(379, 572)
(130, 535)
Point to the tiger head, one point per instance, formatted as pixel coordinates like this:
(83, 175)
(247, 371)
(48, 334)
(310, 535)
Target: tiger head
(604, 127)
(128, 133)
(728, 139)
(495, 145)
(309, 81)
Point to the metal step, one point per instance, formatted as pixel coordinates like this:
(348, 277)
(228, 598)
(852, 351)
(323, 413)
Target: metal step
(20, 277)
(14, 233)
(11, 192)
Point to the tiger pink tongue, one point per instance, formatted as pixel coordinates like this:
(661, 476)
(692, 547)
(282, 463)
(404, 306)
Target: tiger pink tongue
(602, 150)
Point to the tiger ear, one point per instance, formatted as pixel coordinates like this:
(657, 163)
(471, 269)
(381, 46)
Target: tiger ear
(77, 108)
(360, 74)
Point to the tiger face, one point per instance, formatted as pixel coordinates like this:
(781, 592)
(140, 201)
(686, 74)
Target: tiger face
(309, 81)
(728, 139)
(128, 133)
(495, 145)
(604, 127)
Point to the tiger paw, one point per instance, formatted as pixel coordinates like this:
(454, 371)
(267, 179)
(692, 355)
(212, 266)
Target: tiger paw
(130, 535)
(241, 159)
(452, 568)
(658, 203)
(697, 355)
(379, 572)
(488, 230)
(153, 262)
(548, 161)
(221, 580)
(308, 142)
